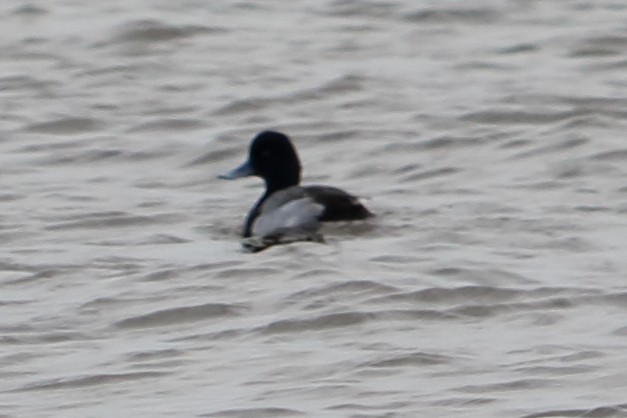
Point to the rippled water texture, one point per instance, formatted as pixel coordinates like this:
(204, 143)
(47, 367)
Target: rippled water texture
(489, 137)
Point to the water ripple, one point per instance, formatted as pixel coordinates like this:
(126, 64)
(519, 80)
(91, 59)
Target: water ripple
(172, 316)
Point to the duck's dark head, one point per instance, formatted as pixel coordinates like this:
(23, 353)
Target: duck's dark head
(272, 157)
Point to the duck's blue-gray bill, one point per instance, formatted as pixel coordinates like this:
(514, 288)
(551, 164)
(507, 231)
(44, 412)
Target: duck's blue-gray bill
(242, 171)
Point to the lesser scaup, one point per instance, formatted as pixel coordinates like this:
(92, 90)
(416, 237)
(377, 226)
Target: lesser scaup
(286, 211)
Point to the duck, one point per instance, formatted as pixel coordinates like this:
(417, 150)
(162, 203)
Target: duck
(287, 211)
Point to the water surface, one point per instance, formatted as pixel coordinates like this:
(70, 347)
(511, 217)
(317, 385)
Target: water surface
(489, 138)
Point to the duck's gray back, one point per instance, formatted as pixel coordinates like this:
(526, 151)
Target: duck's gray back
(288, 211)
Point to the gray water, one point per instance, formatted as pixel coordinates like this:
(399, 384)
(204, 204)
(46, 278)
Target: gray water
(487, 136)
